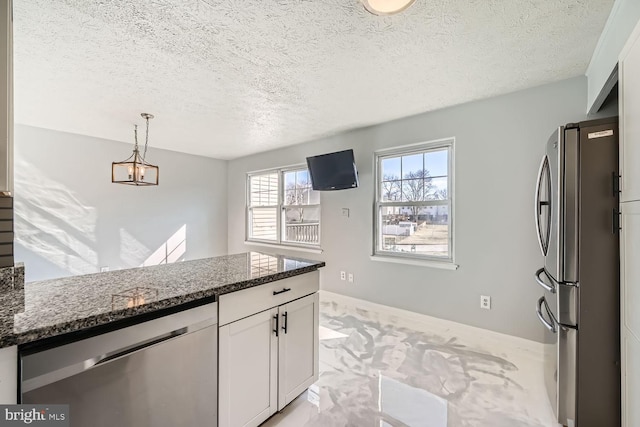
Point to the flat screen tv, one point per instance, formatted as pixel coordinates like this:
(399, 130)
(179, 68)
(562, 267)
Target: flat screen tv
(333, 171)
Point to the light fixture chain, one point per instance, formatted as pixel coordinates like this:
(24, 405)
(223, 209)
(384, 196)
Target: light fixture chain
(135, 137)
(146, 141)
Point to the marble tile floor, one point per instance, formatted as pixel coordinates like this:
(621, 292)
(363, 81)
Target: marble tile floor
(385, 367)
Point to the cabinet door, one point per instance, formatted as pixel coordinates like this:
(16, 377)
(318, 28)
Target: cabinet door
(629, 112)
(8, 375)
(248, 363)
(630, 300)
(630, 380)
(298, 348)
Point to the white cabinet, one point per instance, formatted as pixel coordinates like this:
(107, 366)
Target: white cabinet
(297, 348)
(630, 297)
(629, 94)
(248, 357)
(631, 381)
(630, 266)
(268, 358)
(629, 98)
(8, 375)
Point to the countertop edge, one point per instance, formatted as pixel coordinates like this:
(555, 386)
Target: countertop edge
(104, 319)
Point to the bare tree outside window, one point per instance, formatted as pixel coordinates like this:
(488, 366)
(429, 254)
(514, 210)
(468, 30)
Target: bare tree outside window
(415, 187)
(440, 194)
(297, 193)
(301, 218)
(391, 189)
(414, 203)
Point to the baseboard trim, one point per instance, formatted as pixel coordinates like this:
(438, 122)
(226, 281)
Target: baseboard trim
(459, 329)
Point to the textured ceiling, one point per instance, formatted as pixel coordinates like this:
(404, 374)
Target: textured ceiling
(227, 78)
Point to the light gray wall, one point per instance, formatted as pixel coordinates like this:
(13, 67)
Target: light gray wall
(624, 16)
(6, 96)
(70, 219)
(499, 144)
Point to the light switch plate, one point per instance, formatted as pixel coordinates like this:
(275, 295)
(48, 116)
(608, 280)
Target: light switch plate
(345, 212)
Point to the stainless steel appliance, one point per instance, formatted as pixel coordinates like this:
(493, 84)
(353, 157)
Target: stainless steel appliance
(576, 204)
(160, 373)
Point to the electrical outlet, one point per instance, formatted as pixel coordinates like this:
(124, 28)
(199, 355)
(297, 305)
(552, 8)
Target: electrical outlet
(343, 275)
(485, 302)
(104, 269)
(351, 277)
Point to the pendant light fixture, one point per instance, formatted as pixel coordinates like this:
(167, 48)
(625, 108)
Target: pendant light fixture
(386, 7)
(135, 170)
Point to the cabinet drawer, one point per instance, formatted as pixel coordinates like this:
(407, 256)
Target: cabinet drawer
(240, 304)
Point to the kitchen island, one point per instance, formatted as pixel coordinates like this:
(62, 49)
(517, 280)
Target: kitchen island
(68, 311)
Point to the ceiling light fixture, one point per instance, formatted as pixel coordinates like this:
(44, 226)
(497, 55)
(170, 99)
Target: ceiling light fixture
(135, 170)
(386, 7)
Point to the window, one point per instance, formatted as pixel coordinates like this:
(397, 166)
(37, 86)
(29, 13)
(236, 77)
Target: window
(282, 208)
(414, 202)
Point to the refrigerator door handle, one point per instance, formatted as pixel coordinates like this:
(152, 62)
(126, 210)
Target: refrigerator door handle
(543, 235)
(540, 282)
(550, 326)
(538, 207)
(615, 221)
(616, 183)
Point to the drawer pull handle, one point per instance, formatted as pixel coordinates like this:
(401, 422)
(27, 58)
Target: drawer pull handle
(284, 328)
(276, 329)
(282, 291)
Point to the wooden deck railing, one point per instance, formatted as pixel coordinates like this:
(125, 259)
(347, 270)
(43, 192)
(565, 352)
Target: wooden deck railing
(303, 233)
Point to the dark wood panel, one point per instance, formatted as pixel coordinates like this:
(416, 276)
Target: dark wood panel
(6, 202)
(6, 237)
(6, 249)
(6, 261)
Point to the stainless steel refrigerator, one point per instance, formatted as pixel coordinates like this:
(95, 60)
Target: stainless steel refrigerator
(576, 204)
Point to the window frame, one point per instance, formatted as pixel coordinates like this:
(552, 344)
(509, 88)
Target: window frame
(249, 207)
(280, 209)
(406, 150)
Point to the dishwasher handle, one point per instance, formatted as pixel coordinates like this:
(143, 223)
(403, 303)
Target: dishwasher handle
(66, 371)
(111, 356)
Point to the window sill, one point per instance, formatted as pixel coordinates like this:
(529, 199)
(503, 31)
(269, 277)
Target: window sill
(285, 247)
(445, 265)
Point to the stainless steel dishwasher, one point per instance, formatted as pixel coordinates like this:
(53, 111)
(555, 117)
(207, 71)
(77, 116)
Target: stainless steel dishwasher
(160, 373)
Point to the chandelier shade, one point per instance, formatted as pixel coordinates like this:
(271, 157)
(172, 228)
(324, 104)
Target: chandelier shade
(135, 170)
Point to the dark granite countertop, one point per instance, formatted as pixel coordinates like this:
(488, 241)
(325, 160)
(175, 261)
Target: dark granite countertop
(54, 307)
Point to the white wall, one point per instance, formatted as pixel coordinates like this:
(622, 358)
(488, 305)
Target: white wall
(70, 219)
(622, 19)
(499, 144)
